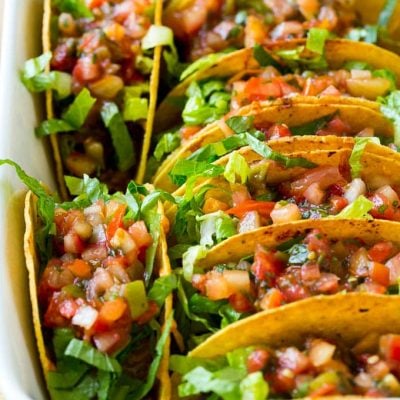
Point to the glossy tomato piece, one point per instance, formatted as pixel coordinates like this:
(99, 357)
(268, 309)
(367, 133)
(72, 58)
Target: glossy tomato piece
(257, 360)
(266, 266)
(277, 131)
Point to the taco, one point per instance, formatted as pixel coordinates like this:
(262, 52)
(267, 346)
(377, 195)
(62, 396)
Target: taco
(331, 348)
(287, 126)
(102, 79)
(246, 190)
(100, 289)
(206, 27)
(274, 266)
(253, 81)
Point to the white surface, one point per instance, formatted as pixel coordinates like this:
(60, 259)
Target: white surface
(19, 114)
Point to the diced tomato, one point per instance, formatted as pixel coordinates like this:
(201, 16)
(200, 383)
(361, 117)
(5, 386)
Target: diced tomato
(256, 90)
(217, 287)
(62, 60)
(106, 341)
(315, 86)
(80, 269)
(294, 292)
(189, 131)
(317, 242)
(95, 3)
(116, 221)
(257, 360)
(324, 390)
(323, 176)
(327, 283)
(52, 316)
(277, 131)
(380, 274)
(272, 299)
(265, 266)
(151, 311)
(282, 381)
(335, 127)
(68, 308)
(293, 359)
(140, 234)
(383, 209)
(394, 266)
(389, 347)
(240, 302)
(112, 310)
(86, 71)
(338, 203)
(199, 282)
(73, 243)
(264, 208)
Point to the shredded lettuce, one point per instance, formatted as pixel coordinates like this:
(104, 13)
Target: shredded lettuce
(73, 118)
(241, 124)
(158, 36)
(356, 155)
(310, 128)
(46, 206)
(390, 106)
(368, 33)
(264, 150)
(237, 168)
(254, 387)
(359, 209)
(167, 144)
(201, 64)
(215, 227)
(316, 39)
(85, 352)
(78, 111)
(135, 108)
(360, 65)
(387, 74)
(264, 58)
(387, 13)
(77, 8)
(190, 257)
(162, 288)
(35, 79)
(121, 139)
(207, 102)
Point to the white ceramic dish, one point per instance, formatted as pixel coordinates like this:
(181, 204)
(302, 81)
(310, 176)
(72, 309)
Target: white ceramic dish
(19, 113)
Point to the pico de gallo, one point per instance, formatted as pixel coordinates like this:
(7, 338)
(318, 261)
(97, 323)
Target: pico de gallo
(99, 295)
(98, 59)
(313, 265)
(219, 99)
(205, 27)
(320, 367)
(241, 199)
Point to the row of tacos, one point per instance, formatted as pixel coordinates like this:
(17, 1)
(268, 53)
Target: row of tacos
(267, 245)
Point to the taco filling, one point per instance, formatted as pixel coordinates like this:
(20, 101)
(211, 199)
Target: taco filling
(99, 295)
(312, 266)
(216, 99)
(241, 200)
(320, 367)
(206, 27)
(100, 76)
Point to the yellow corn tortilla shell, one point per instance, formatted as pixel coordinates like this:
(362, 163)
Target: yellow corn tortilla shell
(377, 169)
(337, 53)
(162, 264)
(242, 245)
(348, 317)
(296, 111)
(154, 80)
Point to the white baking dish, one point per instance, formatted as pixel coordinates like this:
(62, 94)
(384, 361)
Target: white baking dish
(20, 376)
